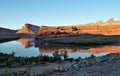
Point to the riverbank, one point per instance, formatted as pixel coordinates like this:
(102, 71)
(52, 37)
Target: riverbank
(77, 39)
(107, 65)
(104, 66)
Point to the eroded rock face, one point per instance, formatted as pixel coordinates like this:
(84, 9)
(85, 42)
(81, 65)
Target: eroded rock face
(28, 29)
(110, 27)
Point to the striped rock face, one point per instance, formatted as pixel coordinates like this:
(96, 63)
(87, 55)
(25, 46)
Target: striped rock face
(110, 27)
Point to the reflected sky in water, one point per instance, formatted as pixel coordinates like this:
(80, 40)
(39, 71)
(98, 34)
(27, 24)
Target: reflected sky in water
(15, 46)
(77, 54)
(25, 47)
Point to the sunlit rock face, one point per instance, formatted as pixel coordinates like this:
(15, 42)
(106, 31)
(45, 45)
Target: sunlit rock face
(7, 32)
(110, 27)
(28, 29)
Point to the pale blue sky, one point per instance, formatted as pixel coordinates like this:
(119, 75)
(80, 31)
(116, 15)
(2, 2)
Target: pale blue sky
(14, 13)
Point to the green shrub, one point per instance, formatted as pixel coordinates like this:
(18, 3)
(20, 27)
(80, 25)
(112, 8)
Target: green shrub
(7, 72)
(9, 61)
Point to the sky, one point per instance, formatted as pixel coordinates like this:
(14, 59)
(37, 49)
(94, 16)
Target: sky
(15, 13)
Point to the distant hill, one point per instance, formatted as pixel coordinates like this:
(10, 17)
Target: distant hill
(6, 32)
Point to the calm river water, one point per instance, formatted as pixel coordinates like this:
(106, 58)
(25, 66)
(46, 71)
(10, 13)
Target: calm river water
(26, 47)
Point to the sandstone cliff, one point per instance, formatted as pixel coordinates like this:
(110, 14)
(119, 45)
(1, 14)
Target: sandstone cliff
(110, 27)
(28, 29)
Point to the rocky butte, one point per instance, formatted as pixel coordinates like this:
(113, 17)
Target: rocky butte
(28, 29)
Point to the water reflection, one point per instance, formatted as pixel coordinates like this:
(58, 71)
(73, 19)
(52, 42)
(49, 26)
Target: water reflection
(27, 42)
(26, 47)
(83, 49)
(22, 47)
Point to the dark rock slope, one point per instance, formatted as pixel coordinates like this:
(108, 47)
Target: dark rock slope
(6, 32)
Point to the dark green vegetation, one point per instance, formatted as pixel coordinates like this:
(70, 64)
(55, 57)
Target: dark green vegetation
(73, 64)
(9, 60)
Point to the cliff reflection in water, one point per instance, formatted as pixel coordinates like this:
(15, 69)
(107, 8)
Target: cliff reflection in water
(29, 42)
(84, 49)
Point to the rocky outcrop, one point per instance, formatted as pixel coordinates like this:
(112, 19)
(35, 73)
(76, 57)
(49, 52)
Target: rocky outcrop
(28, 29)
(110, 27)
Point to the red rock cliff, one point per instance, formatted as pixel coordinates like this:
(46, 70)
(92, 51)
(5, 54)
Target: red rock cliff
(28, 29)
(110, 27)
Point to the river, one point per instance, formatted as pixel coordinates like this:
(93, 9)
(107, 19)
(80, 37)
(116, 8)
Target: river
(25, 47)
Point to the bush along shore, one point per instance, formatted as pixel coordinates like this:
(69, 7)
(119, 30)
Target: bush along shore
(9, 61)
